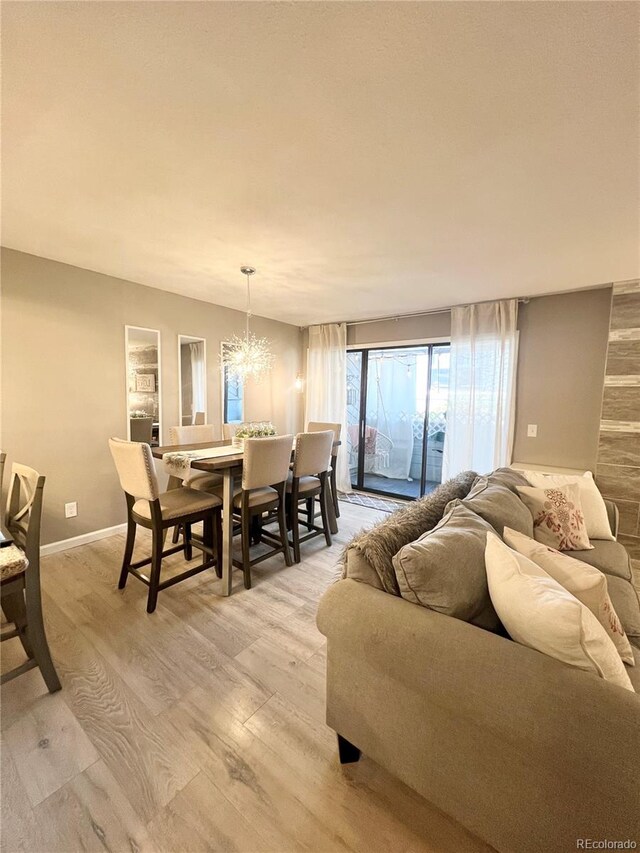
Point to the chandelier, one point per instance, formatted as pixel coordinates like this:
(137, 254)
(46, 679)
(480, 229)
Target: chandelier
(248, 357)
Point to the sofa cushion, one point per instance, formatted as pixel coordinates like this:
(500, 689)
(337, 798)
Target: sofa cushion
(444, 569)
(509, 478)
(378, 545)
(610, 557)
(498, 505)
(540, 613)
(558, 520)
(626, 601)
(587, 583)
(634, 672)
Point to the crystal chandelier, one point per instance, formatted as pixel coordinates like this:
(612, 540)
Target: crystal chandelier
(248, 357)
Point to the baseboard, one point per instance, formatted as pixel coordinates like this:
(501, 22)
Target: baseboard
(83, 539)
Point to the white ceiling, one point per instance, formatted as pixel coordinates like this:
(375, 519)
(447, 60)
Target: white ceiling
(368, 158)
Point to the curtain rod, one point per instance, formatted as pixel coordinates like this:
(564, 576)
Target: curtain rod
(523, 299)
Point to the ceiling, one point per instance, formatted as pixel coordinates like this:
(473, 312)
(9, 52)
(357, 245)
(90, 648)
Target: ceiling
(369, 158)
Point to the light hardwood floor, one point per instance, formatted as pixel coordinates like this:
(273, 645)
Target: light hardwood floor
(198, 728)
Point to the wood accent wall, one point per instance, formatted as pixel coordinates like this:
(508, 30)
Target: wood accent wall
(618, 466)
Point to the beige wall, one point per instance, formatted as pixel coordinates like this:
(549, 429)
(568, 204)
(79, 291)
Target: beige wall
(63, 377)
(563, 343)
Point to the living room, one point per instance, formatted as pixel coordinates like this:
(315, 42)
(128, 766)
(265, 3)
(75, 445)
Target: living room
(320, 343)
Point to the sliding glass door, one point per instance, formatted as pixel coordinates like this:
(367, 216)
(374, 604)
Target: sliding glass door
(396, 409)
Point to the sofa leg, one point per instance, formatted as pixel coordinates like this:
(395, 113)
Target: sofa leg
(347, 751)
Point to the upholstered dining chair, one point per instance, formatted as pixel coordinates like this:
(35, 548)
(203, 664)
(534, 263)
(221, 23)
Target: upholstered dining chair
(198, 419)
(157, 511)
(20, 592)
(229, 430)
(265, 467)
(200, 480)
(141, 429)
(307, 480)
(317, 426)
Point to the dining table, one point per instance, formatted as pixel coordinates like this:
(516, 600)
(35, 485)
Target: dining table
(228, 463)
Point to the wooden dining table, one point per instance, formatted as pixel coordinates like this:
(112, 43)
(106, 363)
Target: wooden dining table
(230, 467)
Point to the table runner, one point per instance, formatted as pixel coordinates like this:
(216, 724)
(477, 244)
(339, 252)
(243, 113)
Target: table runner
(178, 463)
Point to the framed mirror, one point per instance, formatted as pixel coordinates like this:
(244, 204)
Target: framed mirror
(144, 395)
(192, 366)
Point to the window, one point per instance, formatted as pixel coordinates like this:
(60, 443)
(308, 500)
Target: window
(232, 396)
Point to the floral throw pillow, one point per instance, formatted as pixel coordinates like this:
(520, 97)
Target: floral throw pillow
(558, 520)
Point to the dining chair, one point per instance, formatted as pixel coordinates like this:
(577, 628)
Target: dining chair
(157, 511)
(198, 419)
(317, 426)
(141, 429)
(265, 466)
(200, 480)
(20, 593)
(307, 480)
(229, 430)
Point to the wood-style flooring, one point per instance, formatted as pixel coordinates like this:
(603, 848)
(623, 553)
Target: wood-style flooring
(198, 728)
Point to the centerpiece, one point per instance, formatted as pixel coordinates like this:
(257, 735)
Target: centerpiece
(254, 429)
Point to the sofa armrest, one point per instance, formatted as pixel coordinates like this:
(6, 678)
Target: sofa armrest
(494, 733)
(613, 515)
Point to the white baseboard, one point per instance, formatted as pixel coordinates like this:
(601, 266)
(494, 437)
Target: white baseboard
(83, 539)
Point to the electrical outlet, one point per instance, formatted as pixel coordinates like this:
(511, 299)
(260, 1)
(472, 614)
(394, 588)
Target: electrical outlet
(71, 509)
(532, 430)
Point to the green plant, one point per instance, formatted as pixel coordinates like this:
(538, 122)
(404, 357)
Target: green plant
(256, 430)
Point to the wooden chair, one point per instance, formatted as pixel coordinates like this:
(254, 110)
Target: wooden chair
(309, 479)
(141, 429)
(317, 426)
(264, 473)
(157, 511)
(20, 591)
(198, 419)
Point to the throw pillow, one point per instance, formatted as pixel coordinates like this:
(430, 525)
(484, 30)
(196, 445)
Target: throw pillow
(539, 613)
(593, 506)
(498, 505)
(379, 544)
(508, 477)
(588, 584)
(557, 517)
(626, 600)
(444, 569)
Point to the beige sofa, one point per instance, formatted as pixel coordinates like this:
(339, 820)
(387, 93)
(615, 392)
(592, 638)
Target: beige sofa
(526, 752)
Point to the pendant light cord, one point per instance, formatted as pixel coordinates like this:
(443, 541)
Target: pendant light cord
(248, 305)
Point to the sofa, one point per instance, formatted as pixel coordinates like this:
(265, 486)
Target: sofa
(526, 752)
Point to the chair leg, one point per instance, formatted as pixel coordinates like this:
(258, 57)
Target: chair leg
(282, 526)
(245, 532)
(311, 512)
(15, 610)
(217, 539)
(325, 510)
(334, 490)
(188, 548)
(38, 637)
(156, 563)
(176, 534)
(128, 553)
(207, 536)
(256, 529)
(295, 528)
(347, 751)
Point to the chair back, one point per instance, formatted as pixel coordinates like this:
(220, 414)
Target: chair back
(313, 453)
(318, 426)
(141, 429)
(24, 511)
(229, 430)
(198, 418)
(266, 461)
(191, 434)
(135, 467)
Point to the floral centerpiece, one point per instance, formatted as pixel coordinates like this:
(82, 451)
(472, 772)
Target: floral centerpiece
(139, 413)
(259, 429)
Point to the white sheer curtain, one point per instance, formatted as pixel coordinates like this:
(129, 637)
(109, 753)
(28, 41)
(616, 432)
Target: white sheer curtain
(327, 386)
(482, 384)
(198, 377)
(391, 404)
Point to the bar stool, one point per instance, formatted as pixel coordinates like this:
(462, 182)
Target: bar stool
(20, 591)
(307, 480)
(196, 434)
(265, 467)
(157, 511)
(317, 426)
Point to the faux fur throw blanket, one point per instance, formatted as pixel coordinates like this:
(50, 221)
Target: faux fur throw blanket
(383, 541)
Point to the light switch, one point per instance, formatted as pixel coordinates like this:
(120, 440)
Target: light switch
(532, 430)
(71, 509)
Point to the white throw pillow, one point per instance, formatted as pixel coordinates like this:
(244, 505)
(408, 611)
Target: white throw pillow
(538, 612)
(558, 519)
(588, 584)
(593, 506)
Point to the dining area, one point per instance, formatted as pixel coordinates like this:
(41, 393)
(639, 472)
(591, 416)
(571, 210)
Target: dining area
(236, 500)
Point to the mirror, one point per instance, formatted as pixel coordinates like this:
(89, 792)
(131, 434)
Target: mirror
(142, 349)
(192, 361)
